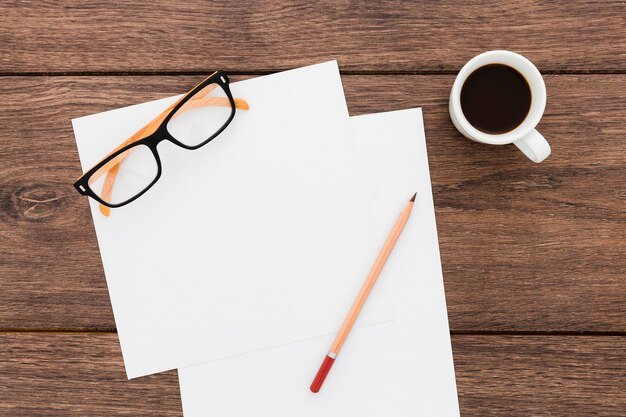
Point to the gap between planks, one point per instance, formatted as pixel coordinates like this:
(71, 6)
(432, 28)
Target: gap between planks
(236, 72)
(452, 333)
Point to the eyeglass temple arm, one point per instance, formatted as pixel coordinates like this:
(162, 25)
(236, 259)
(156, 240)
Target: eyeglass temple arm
(154, 123)
(144, 131)
(113, 166)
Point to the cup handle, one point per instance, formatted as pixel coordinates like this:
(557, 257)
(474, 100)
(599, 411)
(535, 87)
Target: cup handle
(534, 146)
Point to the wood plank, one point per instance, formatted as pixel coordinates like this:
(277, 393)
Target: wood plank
(540, 376)
(525, 247)
(386, 35)
(78, 374)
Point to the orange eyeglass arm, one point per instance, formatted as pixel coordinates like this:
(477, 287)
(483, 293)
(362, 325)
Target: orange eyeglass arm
(113, 166)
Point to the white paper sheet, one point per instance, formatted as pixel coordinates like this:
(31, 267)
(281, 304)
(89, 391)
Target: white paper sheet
(237, 245)
(401, 368)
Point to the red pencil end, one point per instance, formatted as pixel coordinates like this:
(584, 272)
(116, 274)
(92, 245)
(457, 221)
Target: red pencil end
(413, 198)
(322, 373)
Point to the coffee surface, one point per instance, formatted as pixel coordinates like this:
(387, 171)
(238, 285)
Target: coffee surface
(495, 98)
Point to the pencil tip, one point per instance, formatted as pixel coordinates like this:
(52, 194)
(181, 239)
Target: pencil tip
(413, 198)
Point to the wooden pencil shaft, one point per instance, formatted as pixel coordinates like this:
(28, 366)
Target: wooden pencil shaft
(372, 277)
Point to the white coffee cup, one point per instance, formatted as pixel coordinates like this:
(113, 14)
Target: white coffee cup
(524, 136)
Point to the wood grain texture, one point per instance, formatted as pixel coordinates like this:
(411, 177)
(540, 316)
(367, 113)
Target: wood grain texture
(65, 374)
(77, 374)
(540, 376)
(386, 35)
(524, 247)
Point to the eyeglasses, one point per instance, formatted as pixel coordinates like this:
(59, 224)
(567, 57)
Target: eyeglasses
(134, 166)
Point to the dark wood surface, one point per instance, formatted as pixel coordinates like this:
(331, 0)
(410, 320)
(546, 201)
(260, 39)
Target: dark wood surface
(533, 255)
(81, 374)
(263, 35)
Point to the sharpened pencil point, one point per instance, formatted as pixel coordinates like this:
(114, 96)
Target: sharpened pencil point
(413, 198)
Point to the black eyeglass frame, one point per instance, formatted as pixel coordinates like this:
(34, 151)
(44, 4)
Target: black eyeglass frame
(160, 134)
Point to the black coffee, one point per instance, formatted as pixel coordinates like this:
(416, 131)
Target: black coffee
(495, 99)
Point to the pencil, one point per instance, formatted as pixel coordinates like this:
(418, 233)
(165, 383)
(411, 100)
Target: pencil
(341, 337)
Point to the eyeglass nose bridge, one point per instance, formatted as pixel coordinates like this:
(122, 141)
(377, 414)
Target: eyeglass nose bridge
(157, 136)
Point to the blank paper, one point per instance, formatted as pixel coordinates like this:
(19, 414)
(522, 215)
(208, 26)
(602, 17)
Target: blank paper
(401, 368)
(253, 241)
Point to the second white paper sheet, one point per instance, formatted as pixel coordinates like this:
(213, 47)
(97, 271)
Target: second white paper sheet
(401, 368)
(255, 240)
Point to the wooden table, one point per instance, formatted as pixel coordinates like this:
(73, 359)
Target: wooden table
(533, 255)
